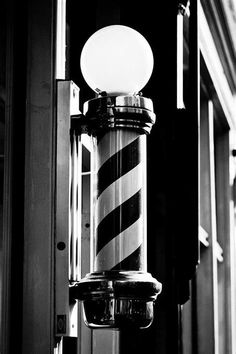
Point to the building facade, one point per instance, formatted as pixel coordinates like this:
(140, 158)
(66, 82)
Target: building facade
(191, 170)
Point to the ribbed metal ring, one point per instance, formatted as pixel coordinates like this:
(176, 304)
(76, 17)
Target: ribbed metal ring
(128, 284)
(124, 112)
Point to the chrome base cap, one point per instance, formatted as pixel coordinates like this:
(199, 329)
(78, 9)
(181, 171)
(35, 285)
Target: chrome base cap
(116, 299)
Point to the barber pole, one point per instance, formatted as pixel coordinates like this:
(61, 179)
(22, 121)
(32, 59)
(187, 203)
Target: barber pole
(120, 206)
(119, 292)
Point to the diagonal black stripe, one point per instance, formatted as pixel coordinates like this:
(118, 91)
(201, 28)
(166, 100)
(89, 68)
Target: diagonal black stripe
(132, 262)
(118, 220)
(118, 164)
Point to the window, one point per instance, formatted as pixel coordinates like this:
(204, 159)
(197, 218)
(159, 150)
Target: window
(209, 317)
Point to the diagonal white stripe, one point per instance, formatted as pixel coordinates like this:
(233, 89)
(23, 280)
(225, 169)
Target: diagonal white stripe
(112, 142)
(119, 191)
(120, 247)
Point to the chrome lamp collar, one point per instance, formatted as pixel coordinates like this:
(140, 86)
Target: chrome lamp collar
(119, 112)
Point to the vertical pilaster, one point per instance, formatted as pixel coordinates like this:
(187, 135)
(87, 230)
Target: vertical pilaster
(38, 276)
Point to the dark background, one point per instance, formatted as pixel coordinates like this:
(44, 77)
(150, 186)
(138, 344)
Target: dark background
(172, 158)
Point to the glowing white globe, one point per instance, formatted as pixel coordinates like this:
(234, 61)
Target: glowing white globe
(117, 59)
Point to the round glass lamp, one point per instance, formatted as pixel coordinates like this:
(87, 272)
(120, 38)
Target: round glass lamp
(118, 60)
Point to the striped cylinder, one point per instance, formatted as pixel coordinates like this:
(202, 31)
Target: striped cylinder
(119, 201)
(119, 292)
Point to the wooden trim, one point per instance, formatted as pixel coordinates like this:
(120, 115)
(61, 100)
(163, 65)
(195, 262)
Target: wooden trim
(217, 21)
(224, 237)
(7, 192)
(216, 71)
(232, 254)
(38, 281)
(14, 177)
(213, 226)
(205, 303)
(60, 70)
